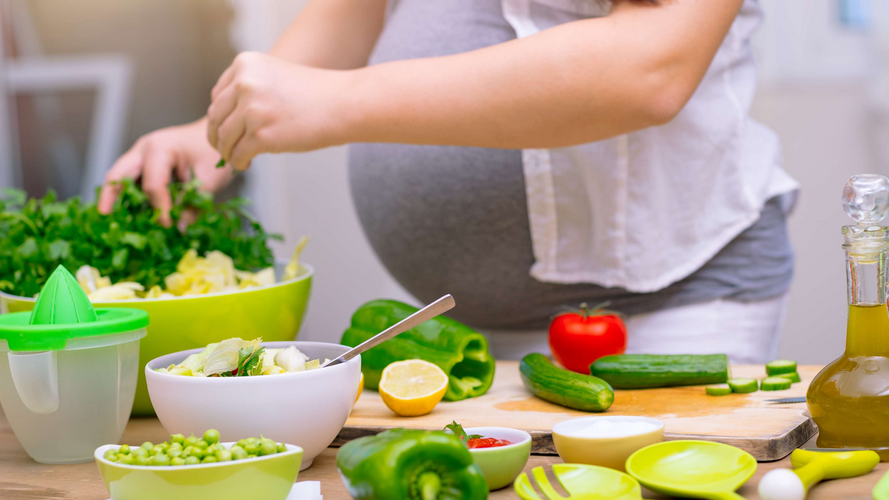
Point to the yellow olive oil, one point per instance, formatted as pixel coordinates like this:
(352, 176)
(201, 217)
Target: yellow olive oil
(849, 398)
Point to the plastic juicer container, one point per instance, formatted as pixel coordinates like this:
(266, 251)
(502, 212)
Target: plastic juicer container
(68, 372)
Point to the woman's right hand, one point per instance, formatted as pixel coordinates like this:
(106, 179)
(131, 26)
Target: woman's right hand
(156, 156)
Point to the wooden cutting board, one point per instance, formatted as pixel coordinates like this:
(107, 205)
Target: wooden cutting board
(766, 431)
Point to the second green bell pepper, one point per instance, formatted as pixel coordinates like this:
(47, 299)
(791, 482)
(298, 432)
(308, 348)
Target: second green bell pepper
(457, 349)
(410, 464)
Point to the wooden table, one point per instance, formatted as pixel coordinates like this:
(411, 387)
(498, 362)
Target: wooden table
(23, 479)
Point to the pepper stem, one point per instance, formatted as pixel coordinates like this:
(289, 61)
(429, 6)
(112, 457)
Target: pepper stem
(429, 485)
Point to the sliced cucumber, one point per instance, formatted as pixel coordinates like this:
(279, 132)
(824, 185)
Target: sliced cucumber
(775, 383)
(743, 385)
(718, 390)
(780, 366)
(793, 377)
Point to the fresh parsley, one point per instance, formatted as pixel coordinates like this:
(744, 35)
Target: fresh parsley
(458, 431)
(36, 235)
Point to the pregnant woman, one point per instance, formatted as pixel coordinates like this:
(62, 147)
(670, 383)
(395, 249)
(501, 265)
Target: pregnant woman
(527, 154)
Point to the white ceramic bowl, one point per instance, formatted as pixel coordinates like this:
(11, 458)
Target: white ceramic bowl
(611, 452)
(306, 408)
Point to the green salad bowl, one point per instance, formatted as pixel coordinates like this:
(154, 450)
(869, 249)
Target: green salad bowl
(273, 312)
(502, 464)
(270, 477)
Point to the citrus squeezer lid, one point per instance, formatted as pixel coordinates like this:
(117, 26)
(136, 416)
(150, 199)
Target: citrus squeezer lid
(63, 311)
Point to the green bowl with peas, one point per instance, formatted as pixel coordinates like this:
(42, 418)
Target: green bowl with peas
(200, 467)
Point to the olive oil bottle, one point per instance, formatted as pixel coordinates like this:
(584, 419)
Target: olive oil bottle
(849, 398)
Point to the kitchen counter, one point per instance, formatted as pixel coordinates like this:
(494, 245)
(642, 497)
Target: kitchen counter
(23, 479)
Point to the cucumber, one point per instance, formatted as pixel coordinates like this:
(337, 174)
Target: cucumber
(775, 384)
(640, 371)
(742, 385)
(780, 366)
(792, 376)
(564, 387)
(718, 390)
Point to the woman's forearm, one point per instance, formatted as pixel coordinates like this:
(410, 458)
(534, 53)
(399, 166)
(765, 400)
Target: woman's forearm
(579, 82)
(333, 34)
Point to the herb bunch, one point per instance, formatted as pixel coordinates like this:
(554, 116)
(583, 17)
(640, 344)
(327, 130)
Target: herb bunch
(129, 244)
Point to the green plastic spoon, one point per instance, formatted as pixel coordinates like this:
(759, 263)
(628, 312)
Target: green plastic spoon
(581, 482)
(696, 469)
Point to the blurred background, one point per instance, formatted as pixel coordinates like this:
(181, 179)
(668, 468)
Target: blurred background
(86, 78)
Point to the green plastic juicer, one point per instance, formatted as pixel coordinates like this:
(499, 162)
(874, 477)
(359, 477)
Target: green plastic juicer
(68, 376)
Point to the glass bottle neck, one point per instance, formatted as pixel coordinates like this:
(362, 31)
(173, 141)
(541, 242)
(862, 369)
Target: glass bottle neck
(867, 332)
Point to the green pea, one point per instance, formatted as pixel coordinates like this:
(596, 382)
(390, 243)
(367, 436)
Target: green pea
(140, 452)
(110, 455)
(211, 436)
(124, 449)
(158, 449)
(192, 460)
(268, 448)
(126, 459)
(251, 455)
(147, 445)
(224, 455)
(160, 459)
(242, 443)
(177, 438)
(175, 445)
(251, 449)
(142, 460)
(209, 459)
(200, 443)
(253, 440)
(174, 452)
(177, 461)
(238, 452)
(211, 450)
(190, 441)
(282, 447)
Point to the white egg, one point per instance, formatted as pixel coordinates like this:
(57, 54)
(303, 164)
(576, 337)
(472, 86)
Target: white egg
(781, 484)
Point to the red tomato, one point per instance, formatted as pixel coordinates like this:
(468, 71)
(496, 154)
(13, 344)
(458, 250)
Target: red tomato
(576, 339)
(486, 443)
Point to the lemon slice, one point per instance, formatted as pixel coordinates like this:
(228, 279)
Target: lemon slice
(360, 387)
(412, 387)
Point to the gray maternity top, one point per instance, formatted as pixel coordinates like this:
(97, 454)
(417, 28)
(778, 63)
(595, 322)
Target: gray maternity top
(455, 220)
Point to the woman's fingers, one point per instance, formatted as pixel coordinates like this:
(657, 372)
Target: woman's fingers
(230, 132)
(244, 151)
(128, 165)
(159, 166)
(223, 105)
(227, 76)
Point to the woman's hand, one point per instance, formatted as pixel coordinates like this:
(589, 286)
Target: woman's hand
(156, 156)
(262, 104)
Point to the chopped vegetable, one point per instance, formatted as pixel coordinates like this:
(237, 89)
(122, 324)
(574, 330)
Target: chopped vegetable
(241, 358)
(180, 450)
(775, 384)
(780, 366)
(743, 385)
(792, 376)
(718, 390)
(127, 245)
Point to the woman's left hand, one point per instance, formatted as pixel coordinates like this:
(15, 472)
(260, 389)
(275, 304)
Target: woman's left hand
(262, 104)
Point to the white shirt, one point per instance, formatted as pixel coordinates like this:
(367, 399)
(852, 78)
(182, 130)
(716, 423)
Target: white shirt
(646, 209)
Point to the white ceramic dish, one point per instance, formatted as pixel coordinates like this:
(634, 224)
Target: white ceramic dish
(304, 408)
(605, 451)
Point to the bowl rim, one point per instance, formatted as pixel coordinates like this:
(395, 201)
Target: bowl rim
(149, 371)
(100, 451)
(309, 272)
(526, 438)
(620, 418)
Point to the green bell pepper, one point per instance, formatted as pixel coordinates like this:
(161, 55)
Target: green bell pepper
(410, 464)
(457, 349)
